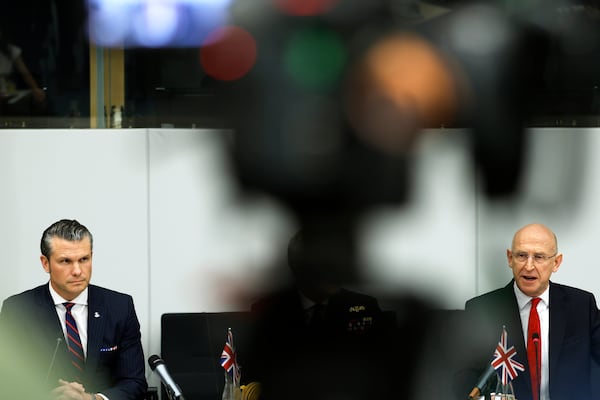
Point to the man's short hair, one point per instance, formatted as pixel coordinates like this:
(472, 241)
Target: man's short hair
(67, 229)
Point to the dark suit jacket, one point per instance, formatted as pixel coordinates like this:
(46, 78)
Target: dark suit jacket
(115, 361)
(574, 337)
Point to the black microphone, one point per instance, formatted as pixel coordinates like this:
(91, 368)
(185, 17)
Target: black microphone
(58, 342)
(157, 365)
(485, 376)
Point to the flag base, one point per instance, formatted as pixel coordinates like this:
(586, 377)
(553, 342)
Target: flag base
(503, 392)
(502, 396)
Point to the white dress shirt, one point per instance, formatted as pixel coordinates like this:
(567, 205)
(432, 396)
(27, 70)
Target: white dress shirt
(308, 306)
(79, 311)
(524, 303)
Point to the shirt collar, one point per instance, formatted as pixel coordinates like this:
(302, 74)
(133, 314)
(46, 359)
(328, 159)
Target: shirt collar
(58, 299)
(523, 300)
(308, 303)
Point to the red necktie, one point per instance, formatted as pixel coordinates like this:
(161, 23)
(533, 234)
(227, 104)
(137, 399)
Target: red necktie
(534, 342)
(73, 340)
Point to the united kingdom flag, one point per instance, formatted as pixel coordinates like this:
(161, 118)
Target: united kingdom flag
(229, 359)
(503, 358)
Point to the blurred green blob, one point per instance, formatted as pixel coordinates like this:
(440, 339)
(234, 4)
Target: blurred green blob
(22, 373)
(314, 58)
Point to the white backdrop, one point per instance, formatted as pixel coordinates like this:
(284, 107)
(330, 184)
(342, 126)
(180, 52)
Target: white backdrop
(171, 229)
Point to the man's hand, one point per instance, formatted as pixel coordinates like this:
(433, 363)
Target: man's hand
(70, 391)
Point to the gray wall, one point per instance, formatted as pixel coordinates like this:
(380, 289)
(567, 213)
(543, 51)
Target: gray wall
(171, 230)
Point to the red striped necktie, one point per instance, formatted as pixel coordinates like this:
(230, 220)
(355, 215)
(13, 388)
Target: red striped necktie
(73, 340)
(534, 342)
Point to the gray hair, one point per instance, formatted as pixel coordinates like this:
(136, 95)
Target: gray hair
(66, 229)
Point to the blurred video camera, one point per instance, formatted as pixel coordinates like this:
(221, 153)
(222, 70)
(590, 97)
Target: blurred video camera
(327, 117)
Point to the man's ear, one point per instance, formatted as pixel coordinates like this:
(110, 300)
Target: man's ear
(557, 262)
(45, 263)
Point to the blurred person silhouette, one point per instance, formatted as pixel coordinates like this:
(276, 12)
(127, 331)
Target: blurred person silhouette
(316, 301)
(80, 341)
(316, 339)
(15, 101)
(557, 341)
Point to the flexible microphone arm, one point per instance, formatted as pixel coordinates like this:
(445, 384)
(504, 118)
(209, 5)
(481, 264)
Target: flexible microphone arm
(58, 342)
(536, 340)
(157, 365)
(476, 392)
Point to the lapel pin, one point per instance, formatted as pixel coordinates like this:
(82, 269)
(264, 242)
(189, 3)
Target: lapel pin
(96, 314)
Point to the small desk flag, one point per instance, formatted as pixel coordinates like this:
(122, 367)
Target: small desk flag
(503, 360)
(231, 391)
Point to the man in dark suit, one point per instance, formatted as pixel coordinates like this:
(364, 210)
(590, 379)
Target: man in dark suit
(563, 346)
(91, 352)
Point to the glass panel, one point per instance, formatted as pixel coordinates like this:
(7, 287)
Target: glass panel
(50, 76)
(168, 87)
(44, 64)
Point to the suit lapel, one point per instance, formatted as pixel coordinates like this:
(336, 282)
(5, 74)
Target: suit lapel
(46, 313)
(49, 330)
(514, 327)
(558, 316)
(96, 325)
(512, 316)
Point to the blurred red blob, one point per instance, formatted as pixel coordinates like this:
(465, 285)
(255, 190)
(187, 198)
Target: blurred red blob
(228, 53)
(303, 8)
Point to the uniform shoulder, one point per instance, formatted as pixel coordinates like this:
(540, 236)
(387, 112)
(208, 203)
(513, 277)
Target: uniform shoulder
(275, 299)
(354, 298)
(353, 294)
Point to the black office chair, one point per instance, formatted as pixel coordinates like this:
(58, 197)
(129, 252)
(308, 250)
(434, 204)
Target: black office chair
(191, 345)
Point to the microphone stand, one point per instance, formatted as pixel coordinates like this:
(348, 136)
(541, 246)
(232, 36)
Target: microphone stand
(58, 341)
(171, 394)
(536, 340)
